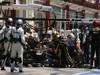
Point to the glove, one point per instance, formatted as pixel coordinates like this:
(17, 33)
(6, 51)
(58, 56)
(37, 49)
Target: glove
(2, 40)
(11, 36)
(5, 39)
(21, 42)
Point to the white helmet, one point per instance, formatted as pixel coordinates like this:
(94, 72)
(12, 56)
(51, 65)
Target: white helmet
(20, 21)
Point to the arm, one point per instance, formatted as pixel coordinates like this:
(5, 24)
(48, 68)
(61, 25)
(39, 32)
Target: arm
(2, 30)
(2, 34)
(23, 42)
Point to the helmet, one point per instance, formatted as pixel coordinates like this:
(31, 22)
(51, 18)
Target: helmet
(10, 20)
(20, 21)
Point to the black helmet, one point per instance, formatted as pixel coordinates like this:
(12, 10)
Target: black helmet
(10, 19)
(9, 22)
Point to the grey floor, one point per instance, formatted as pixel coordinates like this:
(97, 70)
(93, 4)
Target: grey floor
(45, 71)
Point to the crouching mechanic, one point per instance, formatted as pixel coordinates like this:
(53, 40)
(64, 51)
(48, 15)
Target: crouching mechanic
(5, 39)
(17, 46)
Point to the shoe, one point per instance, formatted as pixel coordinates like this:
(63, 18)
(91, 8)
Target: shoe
(21, 71)
(3, 68)
(15, 69)
(91, 67)
(12, 70)
(98, 67)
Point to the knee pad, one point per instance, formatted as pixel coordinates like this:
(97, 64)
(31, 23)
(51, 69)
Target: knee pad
(12, 60)
(19, 60)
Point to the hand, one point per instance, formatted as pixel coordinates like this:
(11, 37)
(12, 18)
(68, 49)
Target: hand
(11, 36)
(5, 39)
(26, 44)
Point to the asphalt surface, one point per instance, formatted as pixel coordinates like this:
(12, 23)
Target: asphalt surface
(45, 71)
